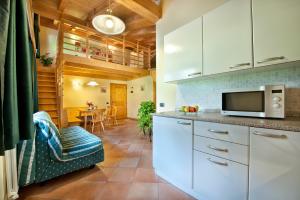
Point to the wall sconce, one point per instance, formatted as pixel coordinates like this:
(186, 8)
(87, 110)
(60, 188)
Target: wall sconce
(92, 84)
(142, 88)
(131, 90)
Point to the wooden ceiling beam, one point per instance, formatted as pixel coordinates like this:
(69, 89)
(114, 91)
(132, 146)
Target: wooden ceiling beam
(92, 75)
(62, 4)
(145, 8)
(100, 70)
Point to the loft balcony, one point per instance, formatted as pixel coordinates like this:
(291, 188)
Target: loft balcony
(103, 57)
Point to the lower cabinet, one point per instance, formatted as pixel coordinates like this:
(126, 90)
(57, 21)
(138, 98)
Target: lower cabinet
(216, 178)
(274, 164)
(173, 150)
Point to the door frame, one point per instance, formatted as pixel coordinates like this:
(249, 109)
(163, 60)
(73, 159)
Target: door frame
(116, 84)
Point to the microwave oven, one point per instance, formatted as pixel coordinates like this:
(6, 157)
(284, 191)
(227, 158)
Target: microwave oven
(265, 102)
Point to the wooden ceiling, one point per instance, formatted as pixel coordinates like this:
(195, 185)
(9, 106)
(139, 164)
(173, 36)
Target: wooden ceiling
(139, 16)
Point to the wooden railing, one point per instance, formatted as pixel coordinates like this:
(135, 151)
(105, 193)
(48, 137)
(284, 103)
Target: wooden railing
(108, 50)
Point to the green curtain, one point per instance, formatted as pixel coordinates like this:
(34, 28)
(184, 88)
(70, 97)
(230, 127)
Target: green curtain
(17, 65)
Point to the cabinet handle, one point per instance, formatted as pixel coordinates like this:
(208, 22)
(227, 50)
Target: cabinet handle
(271, 59)
(195, 74)
(217, 162)
(216, 131)
(184, 123)
(217, 149)
(270, 135)
(240, 65)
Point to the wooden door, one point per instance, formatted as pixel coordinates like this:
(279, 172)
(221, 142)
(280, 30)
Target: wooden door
(118, 97)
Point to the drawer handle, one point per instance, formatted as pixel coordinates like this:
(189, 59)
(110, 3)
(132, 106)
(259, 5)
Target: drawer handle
(240, 65)
(271, 59)
(184, 123)
(217, 162)
(216, 131)
(270, 135)
(217, 149)
(195, 74)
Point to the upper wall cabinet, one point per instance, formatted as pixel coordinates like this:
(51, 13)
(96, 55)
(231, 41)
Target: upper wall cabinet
(227, 38)
(276, 30)
(183, 52)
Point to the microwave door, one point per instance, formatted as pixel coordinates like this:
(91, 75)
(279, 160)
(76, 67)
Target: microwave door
(247, 103)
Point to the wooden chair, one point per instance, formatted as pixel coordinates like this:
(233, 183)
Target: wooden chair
(111, 115)
(97, 118)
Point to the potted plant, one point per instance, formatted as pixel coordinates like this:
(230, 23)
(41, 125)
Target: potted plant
(145, 118)
(46, 60)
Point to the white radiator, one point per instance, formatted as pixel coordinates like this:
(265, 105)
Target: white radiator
(10, 160)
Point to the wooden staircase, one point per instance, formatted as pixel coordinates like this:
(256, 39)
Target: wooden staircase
(47, 92)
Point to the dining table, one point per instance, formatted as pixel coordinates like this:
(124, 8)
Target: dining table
(85, 114)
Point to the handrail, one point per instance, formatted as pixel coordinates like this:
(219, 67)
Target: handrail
(106, 50)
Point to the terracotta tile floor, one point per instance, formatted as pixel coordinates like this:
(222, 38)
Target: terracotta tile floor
(126, 173)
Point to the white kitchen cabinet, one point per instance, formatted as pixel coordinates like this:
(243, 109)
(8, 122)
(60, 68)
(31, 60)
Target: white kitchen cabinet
(276, 31)
(183, 52)
(227, 38)
(274, 164)
(230, 151)
(216, 178)
(172, 150)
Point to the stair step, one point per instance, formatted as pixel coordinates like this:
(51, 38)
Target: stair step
(46, 73)
(45, 85)
(48, 107)
(49, 101)
(46, 91)
(47, 81)
(46, 97)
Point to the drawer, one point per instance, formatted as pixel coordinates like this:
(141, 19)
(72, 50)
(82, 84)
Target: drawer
(216, 178)
(226, 132)
(227, 150)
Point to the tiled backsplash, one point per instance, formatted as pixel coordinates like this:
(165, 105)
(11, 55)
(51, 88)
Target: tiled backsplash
(206, 92)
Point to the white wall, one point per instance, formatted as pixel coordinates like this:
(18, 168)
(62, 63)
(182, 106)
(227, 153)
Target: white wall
(77, 93)
(134, 99)
(2, 179)
(48, 41)
(175, 14)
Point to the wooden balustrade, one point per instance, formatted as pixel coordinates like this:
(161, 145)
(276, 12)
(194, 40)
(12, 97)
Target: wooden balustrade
(107, 49)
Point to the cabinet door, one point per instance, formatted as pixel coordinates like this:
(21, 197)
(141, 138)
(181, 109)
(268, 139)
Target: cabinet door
(216, 178)
(183, 52)
(274, 164)
(276, 31)
(227, 38)
(172, 150)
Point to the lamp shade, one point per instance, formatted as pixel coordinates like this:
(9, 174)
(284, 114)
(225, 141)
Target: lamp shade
(108, 24)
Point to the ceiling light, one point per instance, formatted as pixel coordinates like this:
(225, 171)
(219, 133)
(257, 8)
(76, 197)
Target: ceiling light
(108, 23)
(92, 83)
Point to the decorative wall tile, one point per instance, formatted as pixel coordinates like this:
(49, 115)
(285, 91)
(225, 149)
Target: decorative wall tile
(206, 91)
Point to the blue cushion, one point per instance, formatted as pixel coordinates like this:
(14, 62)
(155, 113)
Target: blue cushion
(74, 142)
(78, 142)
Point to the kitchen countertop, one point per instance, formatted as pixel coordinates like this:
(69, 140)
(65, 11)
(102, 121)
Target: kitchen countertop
(287, 124)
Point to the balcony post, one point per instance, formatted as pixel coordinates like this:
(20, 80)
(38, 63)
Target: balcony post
(107, 50)
(87, 46)
(149, 57)
(138, 54)
(123, 50)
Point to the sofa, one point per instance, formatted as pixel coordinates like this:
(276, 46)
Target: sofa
(55, 153)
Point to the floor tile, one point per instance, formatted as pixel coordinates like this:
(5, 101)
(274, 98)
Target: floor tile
(169, 192)
(145, 175)
(122, 175)
(143, 191)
